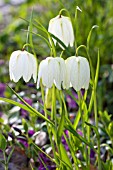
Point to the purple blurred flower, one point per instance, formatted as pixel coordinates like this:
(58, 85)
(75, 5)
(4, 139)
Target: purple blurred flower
(43, 168)
(2, 89)
(31, 85)
(80, 132)
(92, 154)
(31, 132)
(71, 103)
(47, 161)
(64, 141)
(2, 62)
(23, 142)
(1, 113)
(23, 112)
(82, 92)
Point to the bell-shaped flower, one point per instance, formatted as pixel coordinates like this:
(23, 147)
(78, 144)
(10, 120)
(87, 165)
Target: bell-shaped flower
(52, 71)
(78, 73)
(22, 64)
(61, 27)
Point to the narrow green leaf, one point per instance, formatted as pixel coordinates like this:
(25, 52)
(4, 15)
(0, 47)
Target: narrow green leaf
(44, 163)
(89, 35)
(78, 116)
(3, 162)
(96, 81)
(31, 108)
(49, 37)
(10, 154)
(53, 160)
(73, 97)
(3, 142)
(39, 35)
(25, 125)
(61, 125)
(15, 103)
(36, 146)
(58, 40)
(64, 156)
(94, 128)
(70, 128)
(97, 69)
(26, 107)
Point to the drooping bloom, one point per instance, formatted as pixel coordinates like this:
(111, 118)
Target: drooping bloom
(22, 64)
(61, 27)
(52, 71)
(78, 73)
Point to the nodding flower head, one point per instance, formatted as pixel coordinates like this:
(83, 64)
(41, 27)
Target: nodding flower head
(22, 64)
(78, 73)
(52, 71)
(61, 27)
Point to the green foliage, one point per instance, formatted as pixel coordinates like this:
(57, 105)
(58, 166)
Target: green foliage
(13, 37)
(3, 142)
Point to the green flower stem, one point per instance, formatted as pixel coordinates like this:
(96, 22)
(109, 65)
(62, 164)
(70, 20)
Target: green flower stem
(53, 112)
(84, 107)
(90, 62)
(64, 9)
(5, 159)
(53, 50)
(54, 118)
(27, 44)
(42, 28)
(83, 128)
(49, 127)
(93, 98)
(75, 25)
(88, 149)
(95, 81)
(96, 122)
(72, 152)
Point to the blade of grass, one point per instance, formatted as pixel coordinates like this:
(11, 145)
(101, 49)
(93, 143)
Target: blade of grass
(31, 108)
(68, 127)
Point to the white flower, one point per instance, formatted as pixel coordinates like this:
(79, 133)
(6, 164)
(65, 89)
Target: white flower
(52, 71)
(61, 27)
(78, 73)
(22, 64)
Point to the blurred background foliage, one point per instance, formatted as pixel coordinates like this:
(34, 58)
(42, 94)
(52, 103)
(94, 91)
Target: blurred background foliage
(98, 12)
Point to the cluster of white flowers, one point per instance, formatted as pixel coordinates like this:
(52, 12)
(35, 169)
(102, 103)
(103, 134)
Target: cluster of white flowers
(73, 72)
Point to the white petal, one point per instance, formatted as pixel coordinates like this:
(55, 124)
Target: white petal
(86, 74)
(57, 79)
(26, 71)
(65, 31)
(80, 73)
(62, 71)
(40, 72)
(15, 66)
(46, 73)
(33, 62)
(70, 32)
(51, 67)
(69, 65)
(75, 74)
